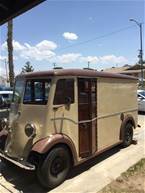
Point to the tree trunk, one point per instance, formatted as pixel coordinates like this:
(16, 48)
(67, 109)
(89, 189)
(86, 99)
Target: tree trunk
(10, 52)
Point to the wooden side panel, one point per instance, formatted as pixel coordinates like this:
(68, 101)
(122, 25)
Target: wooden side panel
(85, 139)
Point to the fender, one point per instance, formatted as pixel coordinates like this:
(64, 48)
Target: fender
(126, 119)
(44, 145)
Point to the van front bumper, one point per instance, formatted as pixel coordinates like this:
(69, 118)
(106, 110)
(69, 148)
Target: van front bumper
(22, 164)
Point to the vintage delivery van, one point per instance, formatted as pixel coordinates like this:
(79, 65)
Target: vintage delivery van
(61, 118)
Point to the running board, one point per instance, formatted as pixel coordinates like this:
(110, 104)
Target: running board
(24, 165)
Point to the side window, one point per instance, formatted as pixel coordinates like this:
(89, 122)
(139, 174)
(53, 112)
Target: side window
(36, 92)
(64, 89)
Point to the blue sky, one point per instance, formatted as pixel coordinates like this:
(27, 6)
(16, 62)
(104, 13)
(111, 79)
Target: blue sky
(52, 32)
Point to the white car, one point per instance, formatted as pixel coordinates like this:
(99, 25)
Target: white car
(5, 98)
(141, 100)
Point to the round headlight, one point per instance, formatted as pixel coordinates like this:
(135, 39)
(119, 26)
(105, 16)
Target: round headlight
(3, 124)
(30, 130)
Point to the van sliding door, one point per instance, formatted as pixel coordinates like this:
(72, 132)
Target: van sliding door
(87, 112)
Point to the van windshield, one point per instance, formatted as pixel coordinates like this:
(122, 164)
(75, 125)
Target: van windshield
(37, 91)
(18, 90)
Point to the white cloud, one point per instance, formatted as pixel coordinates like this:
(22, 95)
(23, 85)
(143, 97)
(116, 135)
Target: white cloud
(70, 36)
(2, 58)
(68, 58)
(2, 71)
(17, 46)
(91, 59)
(41, 51)
(4, 46)
(44, 50)
(112, 59)
(46, 45)
(33, 52)
(107, 59)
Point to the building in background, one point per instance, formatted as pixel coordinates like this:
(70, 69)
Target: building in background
(128, 70)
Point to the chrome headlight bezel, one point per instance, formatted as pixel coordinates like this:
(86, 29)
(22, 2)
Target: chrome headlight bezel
(30, 130)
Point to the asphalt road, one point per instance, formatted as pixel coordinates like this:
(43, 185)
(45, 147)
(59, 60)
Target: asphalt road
(89, 177)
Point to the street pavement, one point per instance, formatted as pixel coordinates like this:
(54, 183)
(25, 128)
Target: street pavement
(89, 177)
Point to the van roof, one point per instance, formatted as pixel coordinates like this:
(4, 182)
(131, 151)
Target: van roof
(75, 72)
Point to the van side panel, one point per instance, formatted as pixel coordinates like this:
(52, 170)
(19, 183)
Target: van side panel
(115, 96)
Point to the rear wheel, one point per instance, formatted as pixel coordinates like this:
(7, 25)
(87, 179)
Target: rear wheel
(128, 135)
(55, 167)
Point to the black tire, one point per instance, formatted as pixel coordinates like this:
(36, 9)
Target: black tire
(127, 135)
(6, 162)
(55, 167)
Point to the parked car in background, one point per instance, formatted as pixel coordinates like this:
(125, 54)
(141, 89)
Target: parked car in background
(141, 100)
(5, 88)
(5, 98)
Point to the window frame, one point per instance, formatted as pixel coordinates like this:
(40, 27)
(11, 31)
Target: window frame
(33, 102)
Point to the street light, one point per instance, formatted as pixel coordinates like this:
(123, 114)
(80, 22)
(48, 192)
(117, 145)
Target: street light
(140, 56)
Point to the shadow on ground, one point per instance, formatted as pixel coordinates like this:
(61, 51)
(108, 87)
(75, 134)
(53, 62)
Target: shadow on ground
(26, 181)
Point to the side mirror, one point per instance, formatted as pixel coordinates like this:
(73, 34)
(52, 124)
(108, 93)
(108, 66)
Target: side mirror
(68, 101)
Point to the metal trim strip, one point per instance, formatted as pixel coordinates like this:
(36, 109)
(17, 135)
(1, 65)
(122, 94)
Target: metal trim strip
(32, 167)
(94, 119)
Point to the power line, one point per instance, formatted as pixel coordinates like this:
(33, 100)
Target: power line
(98, 37)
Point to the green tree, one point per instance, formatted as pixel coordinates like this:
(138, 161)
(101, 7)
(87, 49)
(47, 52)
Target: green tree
(27, 68)
(10, 52)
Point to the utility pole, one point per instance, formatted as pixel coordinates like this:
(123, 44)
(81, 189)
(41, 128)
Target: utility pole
(10, 52)
(6, 70)
(140, 56)
(88, 64)
(54, 65)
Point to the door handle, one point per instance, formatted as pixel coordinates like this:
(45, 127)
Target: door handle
(57, 107)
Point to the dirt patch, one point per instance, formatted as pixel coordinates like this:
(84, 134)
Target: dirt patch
(132, 181)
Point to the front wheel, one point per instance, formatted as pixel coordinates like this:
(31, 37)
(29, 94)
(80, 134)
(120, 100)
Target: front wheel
(128, 135)
(55, 167)
(7, 163)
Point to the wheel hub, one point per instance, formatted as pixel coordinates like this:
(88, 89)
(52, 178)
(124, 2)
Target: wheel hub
(57, 166)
